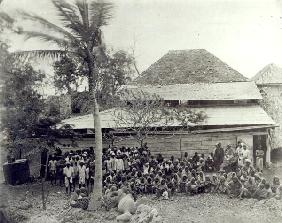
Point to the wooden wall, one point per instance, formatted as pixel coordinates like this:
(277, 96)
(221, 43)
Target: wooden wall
(176, 145)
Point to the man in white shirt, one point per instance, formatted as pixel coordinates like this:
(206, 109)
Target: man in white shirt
(68, 173)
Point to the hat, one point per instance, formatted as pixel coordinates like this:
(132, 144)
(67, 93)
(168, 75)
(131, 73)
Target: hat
(247, 161)
(68, 163)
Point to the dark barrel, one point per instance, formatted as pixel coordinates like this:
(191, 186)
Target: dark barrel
(16, 172)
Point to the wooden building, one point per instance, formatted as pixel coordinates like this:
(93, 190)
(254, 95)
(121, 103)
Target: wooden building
(200, 81)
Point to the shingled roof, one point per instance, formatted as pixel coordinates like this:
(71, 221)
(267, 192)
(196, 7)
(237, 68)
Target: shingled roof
(201, 91)
(270, 74)
(188, 66)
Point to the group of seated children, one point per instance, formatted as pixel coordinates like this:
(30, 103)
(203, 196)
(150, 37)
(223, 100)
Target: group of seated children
(142, 173)
(136, 170)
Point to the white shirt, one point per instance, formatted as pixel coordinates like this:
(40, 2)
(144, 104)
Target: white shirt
(68, 172)
(120, 164)
(82, 171)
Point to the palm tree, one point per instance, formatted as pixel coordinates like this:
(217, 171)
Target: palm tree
(79, 36)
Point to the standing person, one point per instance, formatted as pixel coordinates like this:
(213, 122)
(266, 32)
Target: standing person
(218, 156)
(52, 168)
(68, 173)
(245, 154)
(81, 174)
(75, 175)
(119, 163)
(239, 153)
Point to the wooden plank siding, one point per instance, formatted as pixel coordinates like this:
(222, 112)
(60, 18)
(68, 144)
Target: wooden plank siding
(177, 144)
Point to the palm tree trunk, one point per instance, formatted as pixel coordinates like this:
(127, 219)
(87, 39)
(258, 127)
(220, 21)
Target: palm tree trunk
(97, 192)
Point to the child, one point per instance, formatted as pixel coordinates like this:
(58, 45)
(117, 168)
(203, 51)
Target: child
(183, 184)
(276, 187)
(221, 187)
(214, 183)
(161, 189)
(208, 185)
(192, 186)
(234, 188)
(149, 186)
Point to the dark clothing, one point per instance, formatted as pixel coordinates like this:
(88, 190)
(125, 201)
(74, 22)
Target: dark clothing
(218, 157)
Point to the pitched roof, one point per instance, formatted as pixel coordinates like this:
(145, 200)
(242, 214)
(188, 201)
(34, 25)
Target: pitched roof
(216, 116)
(270, 74)
(202, 91)
(188, 66)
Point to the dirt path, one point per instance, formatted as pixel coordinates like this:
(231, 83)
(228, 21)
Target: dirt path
(201, 208)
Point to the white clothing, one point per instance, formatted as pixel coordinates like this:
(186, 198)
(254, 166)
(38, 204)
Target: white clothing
(81, 174)
(120, 164)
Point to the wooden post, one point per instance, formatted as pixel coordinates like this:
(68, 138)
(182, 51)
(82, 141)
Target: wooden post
(180, 147)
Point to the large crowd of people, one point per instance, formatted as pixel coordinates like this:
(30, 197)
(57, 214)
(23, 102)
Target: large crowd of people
(227, 171)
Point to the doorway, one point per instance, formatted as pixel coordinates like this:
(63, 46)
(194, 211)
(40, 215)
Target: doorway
(259, 147)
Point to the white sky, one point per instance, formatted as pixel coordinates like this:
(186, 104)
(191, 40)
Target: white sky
(246, 34)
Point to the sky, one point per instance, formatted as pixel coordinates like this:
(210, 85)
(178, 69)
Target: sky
(246, 34)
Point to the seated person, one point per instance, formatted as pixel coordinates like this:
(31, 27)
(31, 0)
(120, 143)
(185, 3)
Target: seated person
(234, 188)
(161, 188)
(110, 199)
(183, 184)
(208, 185)
(262, 192)
(149, 186)
(222, 185)
(192, 186)
(74, 198)
(209, 167)
(276, 187)
(249, 188)
(214, 183)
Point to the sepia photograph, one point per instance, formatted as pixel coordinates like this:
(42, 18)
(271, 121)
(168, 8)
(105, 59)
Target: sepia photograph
(140, 111)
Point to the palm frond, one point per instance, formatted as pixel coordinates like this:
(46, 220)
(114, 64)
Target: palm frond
(101, 13)
(25, 55)
(50, 26)
(83, 10)
(45, 37)
(69, 16)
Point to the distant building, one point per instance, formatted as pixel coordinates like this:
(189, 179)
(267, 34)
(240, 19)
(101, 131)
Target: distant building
(269, 81)
(198, 80)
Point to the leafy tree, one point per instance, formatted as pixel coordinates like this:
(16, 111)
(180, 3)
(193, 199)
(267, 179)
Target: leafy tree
(68, 73)
(143, 113)
(80, 36)
(21, 101)
(115, 71)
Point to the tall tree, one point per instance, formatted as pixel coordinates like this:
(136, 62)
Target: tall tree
(80, 36)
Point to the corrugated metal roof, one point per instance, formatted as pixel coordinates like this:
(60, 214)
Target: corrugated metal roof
(202, 91)
(224, 115)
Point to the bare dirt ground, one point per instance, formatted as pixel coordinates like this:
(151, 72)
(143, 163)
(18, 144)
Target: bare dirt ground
(21, 206)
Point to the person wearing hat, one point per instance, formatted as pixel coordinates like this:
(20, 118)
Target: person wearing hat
(68, 173)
